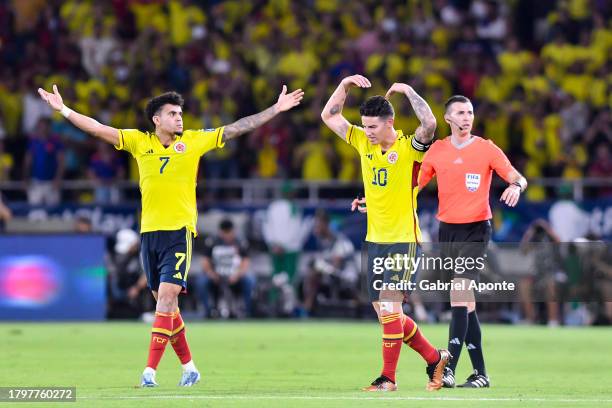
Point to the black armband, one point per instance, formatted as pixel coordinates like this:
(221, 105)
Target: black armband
(421, 147)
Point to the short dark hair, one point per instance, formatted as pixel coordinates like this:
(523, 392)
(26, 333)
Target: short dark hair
(455, 99)
(156, 103)
(377, 106)
(226, 225)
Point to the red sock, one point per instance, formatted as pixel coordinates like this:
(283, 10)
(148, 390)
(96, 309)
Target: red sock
(415, 339)
(392, 343)
(161, 332)
(178, 339)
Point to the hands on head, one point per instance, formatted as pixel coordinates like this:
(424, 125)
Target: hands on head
(358, 81)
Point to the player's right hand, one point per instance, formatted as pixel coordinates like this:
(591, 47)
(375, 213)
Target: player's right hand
(53, 99)
(356, 80)
(359, 204)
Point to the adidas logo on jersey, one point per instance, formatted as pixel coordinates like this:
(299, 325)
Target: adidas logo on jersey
(369, 156)
(150, 151)
(458, 160)
(455, 341)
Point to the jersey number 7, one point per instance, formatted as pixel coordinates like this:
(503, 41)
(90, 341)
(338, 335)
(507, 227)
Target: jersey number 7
(165, 160)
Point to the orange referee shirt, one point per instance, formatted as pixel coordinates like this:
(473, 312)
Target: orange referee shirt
(464, 177)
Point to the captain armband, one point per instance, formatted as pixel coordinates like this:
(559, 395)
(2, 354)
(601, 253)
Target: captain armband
(421, 147)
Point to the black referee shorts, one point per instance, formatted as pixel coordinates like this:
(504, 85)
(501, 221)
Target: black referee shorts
(461, 242)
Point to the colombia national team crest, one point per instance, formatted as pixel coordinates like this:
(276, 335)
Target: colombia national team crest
(392, 157)
(472, 181)
(180, 147)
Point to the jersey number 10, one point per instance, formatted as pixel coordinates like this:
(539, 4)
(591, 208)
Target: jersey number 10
(380, 177)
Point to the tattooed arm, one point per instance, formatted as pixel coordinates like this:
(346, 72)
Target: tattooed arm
(332, 112)
(285, 102)
(425, 132)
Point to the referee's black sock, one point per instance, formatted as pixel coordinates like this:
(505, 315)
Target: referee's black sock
(473, 342)
(456, 333)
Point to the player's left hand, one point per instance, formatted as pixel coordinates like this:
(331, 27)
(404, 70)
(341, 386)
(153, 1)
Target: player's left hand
(511, 195)
(359, 204)
(397, 87)
(287, 101)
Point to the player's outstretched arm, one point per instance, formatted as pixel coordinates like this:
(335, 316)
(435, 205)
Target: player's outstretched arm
(332, 112)
(425, 132)
(85, 123)
(285, 102)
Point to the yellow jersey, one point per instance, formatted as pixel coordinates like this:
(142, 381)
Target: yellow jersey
(168, 175)
(390, 181)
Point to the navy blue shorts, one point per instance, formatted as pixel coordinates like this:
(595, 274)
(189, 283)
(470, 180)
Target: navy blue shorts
(378, 274)
(166, 256)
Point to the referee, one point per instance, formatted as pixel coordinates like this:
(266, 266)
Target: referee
(464, 164)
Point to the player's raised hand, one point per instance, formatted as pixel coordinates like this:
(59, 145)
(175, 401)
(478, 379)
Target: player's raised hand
(397, 87)
(511, 195)
(287, 101)
(53, 99)
(356, 80)
(359, 204)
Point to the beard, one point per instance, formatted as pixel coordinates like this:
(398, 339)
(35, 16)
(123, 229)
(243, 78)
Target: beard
(178, 133)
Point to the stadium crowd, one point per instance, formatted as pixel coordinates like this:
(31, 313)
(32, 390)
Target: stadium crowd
(539, 74)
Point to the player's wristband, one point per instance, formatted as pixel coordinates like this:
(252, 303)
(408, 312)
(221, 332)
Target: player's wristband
(65, 111)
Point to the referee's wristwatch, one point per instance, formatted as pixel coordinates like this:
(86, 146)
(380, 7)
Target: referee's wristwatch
(516, 183)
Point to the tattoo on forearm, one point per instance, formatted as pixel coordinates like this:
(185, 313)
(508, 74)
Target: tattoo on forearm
(421, 109)
(425, 132)
(248, 123)
(335, 109)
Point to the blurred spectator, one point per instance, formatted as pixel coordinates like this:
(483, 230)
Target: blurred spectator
(313, 157)
(226, 266)
(541, 244)
(602, 167)
(601, 262)
(6, 160)
(5, 215)
(105, 169)
(82, 225)
(96, 49)
(34, 109)
(567, 220)
(331, 273)
(44, 165)
(285, 231)
(126, 279)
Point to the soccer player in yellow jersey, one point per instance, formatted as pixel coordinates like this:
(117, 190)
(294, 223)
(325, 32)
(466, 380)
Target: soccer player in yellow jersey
(390, 163)
(168, 162)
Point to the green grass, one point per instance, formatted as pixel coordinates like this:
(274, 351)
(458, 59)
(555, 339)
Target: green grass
(295, 364)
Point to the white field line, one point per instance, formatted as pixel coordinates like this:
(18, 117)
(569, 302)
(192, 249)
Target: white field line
(348, 398)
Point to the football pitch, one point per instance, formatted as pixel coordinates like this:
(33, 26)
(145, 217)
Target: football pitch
(303, 364)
